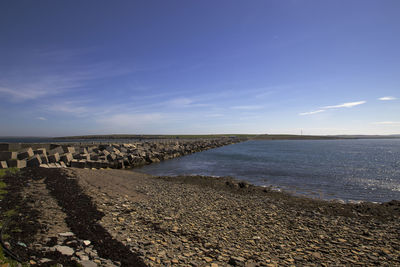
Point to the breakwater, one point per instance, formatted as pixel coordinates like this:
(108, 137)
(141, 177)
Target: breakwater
(106, 155)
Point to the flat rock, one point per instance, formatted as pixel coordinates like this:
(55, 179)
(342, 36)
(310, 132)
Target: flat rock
(88, 264)
(66, 234)
(65, 250)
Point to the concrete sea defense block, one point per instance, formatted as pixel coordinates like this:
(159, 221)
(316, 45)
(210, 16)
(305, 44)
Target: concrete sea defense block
(4, 147)
(66, 158)
(78, 163)
(54, 158)
(94, 156)
(69, 149)
(3, 165)
(15, 163)
(40, 151)
(55, 150)
(52, 165)
(25, 153)
(44, 159)
(34, 161)
(81, 150)
(6, 155)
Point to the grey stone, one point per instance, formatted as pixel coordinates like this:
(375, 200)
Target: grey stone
(88, 264)
(65, 250)
(25, 153)
(82, 256)
(66, 234)
(6, 155)
(237, 261)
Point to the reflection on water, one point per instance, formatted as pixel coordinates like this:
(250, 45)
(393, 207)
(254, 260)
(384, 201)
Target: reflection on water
(367, 170)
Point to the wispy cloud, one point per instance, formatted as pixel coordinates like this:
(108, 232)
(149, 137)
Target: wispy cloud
(41, 118)
(387, 98)
(51, 73)
(249, 107)
(387, 123)
(76, 108)
(131, 122)
(344, 105)
(312, 112)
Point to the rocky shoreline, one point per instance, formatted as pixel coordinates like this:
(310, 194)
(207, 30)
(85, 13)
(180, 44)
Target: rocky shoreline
(115, 155)
(123, 218)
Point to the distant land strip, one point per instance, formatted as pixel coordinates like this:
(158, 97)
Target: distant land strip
(243, 136)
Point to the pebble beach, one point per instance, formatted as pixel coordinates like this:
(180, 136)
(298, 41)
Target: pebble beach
(123, 218)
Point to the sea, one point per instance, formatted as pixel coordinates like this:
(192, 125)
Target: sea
(347, 170)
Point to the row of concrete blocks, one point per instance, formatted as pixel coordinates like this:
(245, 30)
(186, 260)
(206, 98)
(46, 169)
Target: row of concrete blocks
(102, 156)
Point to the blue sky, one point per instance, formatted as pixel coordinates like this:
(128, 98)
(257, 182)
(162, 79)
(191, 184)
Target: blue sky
(198, 67)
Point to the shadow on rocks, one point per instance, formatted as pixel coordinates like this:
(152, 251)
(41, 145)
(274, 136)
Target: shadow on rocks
(83, 216)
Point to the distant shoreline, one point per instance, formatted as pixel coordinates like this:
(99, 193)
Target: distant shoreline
(245, 136)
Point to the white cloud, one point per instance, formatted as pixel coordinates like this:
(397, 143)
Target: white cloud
(387, 98)
(41, 118)
(312, 112)
(387, 123)
(346, 105)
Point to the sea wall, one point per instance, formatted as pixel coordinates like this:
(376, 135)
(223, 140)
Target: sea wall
(118, 156)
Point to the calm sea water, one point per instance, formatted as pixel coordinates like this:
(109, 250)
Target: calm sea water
(366, 170)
